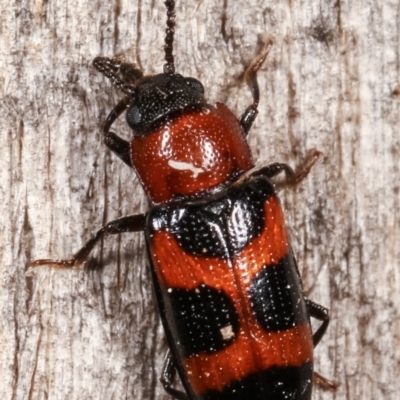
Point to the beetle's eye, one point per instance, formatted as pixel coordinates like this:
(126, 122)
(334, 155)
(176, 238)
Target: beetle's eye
(134, 116)
(194, 84)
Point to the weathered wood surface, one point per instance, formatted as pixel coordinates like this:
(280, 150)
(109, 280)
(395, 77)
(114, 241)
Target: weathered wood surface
(328, 83)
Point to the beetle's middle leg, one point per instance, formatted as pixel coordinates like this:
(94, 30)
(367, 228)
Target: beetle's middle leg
(293, 177)
(131, 223)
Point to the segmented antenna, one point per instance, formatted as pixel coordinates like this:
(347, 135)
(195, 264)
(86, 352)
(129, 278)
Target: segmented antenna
(169, 67)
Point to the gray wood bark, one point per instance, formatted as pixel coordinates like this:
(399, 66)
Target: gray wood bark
(330, 82)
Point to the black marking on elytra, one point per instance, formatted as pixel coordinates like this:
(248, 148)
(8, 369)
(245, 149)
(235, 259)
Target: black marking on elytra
(220, 228)
(276, 296)
(275, 383)
(206, 319)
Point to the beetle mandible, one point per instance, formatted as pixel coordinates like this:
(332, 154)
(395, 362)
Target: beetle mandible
(227, 285)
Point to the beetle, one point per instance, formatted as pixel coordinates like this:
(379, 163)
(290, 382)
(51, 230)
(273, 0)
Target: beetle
(227, 285)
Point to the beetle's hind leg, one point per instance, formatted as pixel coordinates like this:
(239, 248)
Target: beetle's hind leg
(167, 378)
(320, 313)
(325, 383)
(131, 223)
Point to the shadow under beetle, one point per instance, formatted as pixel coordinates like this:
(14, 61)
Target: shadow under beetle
(227, 285)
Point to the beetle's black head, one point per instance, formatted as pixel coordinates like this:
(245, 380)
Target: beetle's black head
(156, 97)
(159, 96)
(151, 99)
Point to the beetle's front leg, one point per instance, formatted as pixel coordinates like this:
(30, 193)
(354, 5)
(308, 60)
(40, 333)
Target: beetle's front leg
(125, 76)
(250, 76)
(131, 223)
(117, 145)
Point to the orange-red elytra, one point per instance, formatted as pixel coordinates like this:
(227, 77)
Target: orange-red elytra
(227, 285)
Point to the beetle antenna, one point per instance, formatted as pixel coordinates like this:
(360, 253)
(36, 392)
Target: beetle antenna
(169, 67)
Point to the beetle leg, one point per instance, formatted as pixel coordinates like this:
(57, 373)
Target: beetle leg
(116, 68)
(321, 314)
(292, 177)
(325, 383)
(116, 144)
(167, 377)
(124, 76)
(250, 114)
(129, 73)
(131, 223)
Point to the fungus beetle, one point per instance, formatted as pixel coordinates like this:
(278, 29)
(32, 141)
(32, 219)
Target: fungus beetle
(227, 285)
